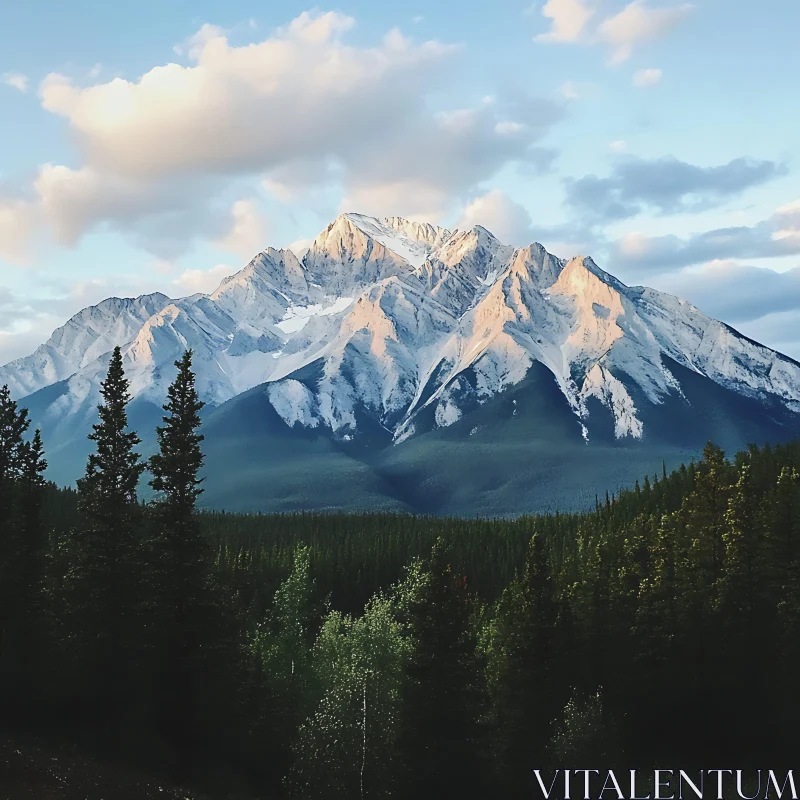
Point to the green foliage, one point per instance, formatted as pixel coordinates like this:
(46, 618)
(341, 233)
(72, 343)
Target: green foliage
(383, 655)
(529, 660)
(348, 747)
(444, 690)
(175, 467)
(22, 557)
(99, 593)
(192, 642)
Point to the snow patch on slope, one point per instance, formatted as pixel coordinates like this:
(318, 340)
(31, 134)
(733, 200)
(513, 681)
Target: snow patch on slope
(296, 317)
(294, 403)
(611, 392)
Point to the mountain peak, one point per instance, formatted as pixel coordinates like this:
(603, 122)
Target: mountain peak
(394, 328)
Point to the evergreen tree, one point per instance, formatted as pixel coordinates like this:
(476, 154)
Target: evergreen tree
(31, 568)
(742, 573)
(704, 510)
(528, 676)
(193, 638)
(176, 466)
(102, 585)
(783, 531)
(443, 692)
(22, 554)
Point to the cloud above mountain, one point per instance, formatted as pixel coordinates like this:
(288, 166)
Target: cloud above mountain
(750, 292)
(779, 235)
(497, 212)
(302, 109)
(760, 302)
(665, 186)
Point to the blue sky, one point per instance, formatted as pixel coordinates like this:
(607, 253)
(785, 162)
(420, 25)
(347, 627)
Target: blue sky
(157, 146)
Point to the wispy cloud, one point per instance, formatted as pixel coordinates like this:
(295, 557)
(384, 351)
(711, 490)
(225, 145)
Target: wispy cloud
(665, 186)
(638, 24)
(16, 81)
(645, 78)
(578, 22)
(161, 153)
(778, 235)
(569, 20)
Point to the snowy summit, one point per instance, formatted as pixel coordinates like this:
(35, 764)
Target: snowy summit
(404, 327)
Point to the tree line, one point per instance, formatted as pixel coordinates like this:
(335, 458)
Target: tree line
(384, 655)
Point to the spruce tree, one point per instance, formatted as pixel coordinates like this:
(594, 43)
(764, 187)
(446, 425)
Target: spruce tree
(192, 637)
(704, 511)
(103, 581)
(14, 424)
(31, 566)
(743, 571)
(527, 671)
(443, 690)
(176, 466)
(22, 546)
(783, 532)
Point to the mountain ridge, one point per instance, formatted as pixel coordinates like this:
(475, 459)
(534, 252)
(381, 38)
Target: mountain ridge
(408, 328)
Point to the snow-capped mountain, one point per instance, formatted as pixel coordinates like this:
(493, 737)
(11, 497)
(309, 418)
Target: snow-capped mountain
(388, 330)
(87, 336)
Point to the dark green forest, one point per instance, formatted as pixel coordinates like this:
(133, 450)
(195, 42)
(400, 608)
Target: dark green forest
(379, 655)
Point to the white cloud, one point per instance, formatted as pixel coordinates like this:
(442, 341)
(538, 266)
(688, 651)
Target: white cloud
(618, 146)
(16, 81)
(661, 254)
(17, 221)
(248, 232)
(569, 19)
(178, 119)
(509, 221)
(667, 184)
(576, 22)
(192, 281)
(644, 78)
(637, 24)
(162, 216)
(301, 110)
(760, 302)
(788, 223)
(300, 246)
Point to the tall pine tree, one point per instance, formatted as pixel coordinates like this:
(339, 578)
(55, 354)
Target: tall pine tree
(443, 687)
(528, 678)
(103, 581)
(192, 639)
(22, 553)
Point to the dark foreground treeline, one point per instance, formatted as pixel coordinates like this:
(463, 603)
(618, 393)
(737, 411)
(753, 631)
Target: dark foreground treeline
(381, 655)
